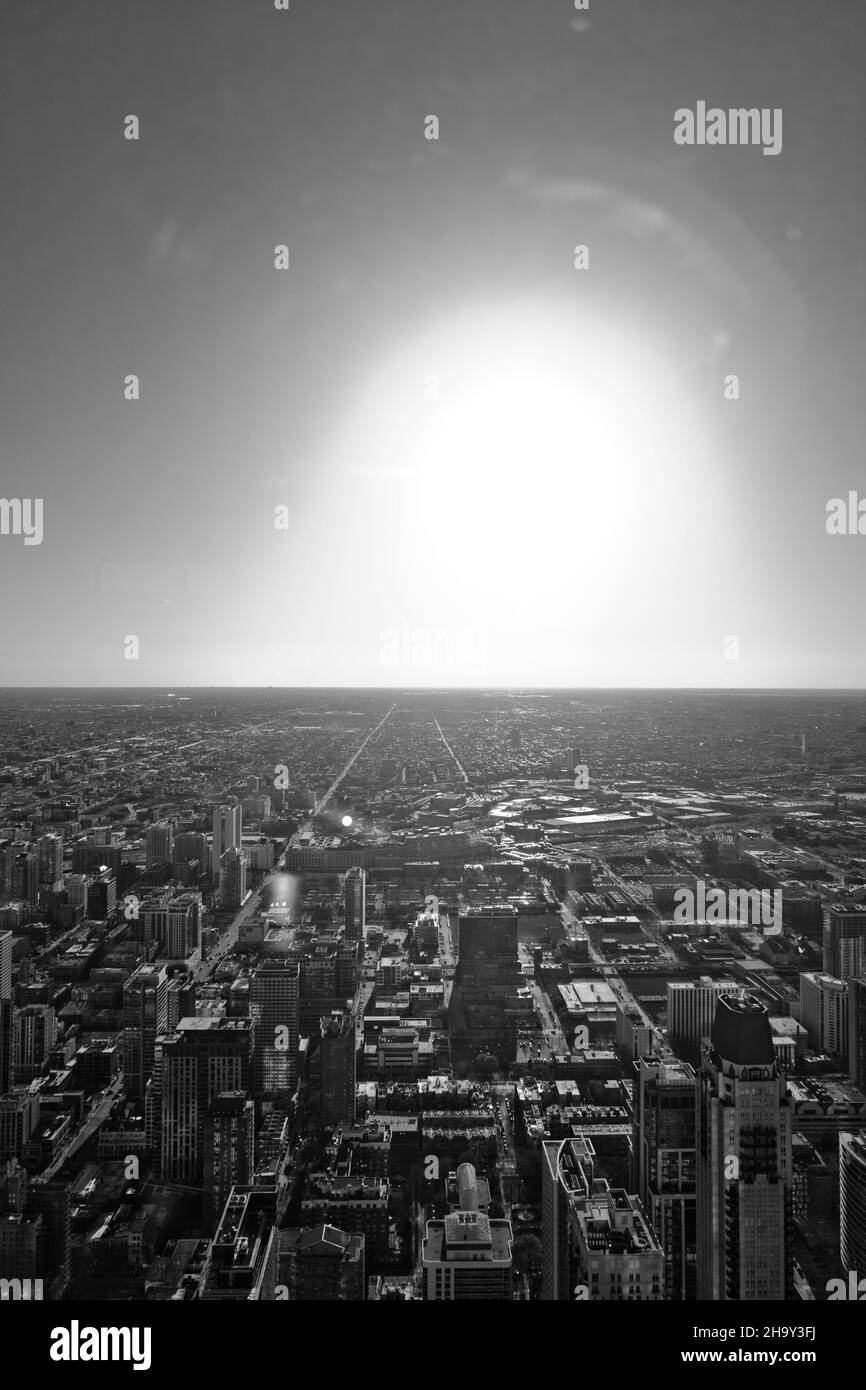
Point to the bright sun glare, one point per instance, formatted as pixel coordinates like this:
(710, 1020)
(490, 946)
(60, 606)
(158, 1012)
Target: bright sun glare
(522, 464)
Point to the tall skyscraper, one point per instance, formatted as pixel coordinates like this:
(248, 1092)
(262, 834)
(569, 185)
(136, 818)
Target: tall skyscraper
(183, 923)
(468, 1254)
(233, 877)
(52, 1202)
(76, 890)
(180, 1000)
(824, 1011)
(5, 1011)
(665, 1163)
(189, 845)
(692, 1007)
(144, 1019)
(486, 940)
(49, 863)
(22, 1252)
(857, 1030)
(616, 1255)
(91, 855)
(205, 1057)
(34, 1030)
(338, 1060)
(20, 878)
(229, 1148)
(153, 918)
(567, 1170)
(227, 833)
(355, 900)
(242, 1261)
(745, 1169)
(274, 993)
(159, 843)
(488, 980)
(852, 1202)
(844, 939)
(102, 896)
(597, 1243)
(5, 965)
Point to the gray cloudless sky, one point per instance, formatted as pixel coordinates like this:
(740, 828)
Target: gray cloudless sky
(616, 533)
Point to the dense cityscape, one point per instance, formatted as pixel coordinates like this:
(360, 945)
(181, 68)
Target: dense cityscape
(407, 995)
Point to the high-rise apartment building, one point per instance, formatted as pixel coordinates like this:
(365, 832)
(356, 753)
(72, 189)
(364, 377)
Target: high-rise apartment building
(144, 1019)
(597, 1243)
(229, 1148)
(191, 845)
(274, 995)
(159, 843)
(5, 1011)
(486, 940)
(844, 939)
(355, 902)
(22, 880)
(567, 1170)
(34, 1030)
(19, 1116)
(22, 1252)
(665, 1100)
(92, 856)
(76, 890)
(51, 1201)
(102, 895)
(180, 1000)
(616, 1254)
(488, 980)
(745, 1169)
(852, 1202)
(857, 1030)
(233, 877)
(49, 863)
(227, 834)
(205, 1057)
(183, 925)
(338, 1069)
(174, 922)
(153, 918)
(692, 1007)
(824, 1011)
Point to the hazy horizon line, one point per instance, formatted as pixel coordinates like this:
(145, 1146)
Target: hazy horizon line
(170, 688)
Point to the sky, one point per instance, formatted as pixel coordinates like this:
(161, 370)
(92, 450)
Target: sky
(496, 468)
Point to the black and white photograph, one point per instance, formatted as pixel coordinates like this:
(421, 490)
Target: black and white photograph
(432, 682)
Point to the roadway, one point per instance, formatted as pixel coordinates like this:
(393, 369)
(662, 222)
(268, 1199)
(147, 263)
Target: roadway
(320, 805)
(229, 937)
(463, 773)
(447, 954)
(98, 1114)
